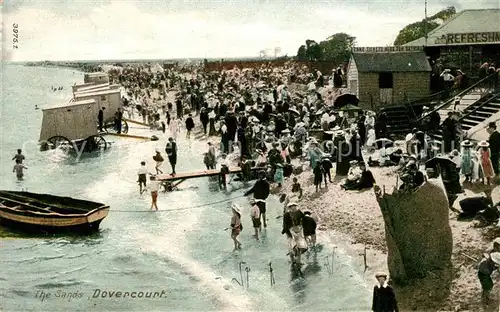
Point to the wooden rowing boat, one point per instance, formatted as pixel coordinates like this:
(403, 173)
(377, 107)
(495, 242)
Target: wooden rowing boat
(43, 213)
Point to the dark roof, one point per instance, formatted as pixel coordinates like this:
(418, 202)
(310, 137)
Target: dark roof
(391, 62)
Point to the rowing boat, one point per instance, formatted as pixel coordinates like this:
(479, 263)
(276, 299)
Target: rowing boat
(44, 213)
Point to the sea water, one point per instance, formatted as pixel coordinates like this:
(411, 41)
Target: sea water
(183, 252)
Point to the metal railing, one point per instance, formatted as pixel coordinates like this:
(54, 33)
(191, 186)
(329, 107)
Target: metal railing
(460, 94)
(479, 106)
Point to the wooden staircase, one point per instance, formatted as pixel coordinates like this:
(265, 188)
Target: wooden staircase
(476, 113)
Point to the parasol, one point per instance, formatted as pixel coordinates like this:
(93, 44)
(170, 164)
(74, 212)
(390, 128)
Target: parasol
(443, 162)
(346, 99)
(294, 111)
(383, 143)
(350, 107)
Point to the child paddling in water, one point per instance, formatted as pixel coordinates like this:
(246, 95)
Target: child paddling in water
(255, 215)
(236, 226)
(153, 187)
(18, 169)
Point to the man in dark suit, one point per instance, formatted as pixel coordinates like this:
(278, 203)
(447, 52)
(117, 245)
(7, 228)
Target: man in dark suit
(100, 118)
(171, 150)
(384, 299)
(494, 141)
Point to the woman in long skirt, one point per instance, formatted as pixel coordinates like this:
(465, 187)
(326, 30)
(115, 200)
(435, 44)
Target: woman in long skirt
(486, 165)
(278, 175)
(466, 164)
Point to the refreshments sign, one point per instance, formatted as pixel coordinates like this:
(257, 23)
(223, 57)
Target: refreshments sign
(387, 49)
(469, 38)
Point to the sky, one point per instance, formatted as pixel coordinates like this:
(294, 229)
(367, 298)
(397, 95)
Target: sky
(162, 29)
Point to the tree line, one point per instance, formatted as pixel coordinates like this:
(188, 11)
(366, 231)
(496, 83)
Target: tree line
(338, 47)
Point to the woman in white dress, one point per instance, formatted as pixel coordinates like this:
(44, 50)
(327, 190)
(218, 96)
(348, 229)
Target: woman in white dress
(174, 127)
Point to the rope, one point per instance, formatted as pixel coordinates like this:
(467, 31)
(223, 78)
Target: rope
(183, 208)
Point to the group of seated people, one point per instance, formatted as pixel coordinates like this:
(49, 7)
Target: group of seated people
(358, 177)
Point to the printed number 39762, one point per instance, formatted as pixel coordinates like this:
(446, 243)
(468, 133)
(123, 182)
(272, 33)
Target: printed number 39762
(15, 35)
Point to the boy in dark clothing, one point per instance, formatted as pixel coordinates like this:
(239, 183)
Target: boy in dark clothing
(487, 266)
(384, 299)
(327, 166)
(189, 125)
(318, 176)
(296, 188)
(260, 191)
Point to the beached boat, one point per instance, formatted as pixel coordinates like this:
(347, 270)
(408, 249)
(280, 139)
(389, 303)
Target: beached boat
(43, 213)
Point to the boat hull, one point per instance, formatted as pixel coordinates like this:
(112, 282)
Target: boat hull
(50, 224)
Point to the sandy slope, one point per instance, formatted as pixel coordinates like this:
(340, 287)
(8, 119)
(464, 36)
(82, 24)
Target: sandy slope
(358, 215)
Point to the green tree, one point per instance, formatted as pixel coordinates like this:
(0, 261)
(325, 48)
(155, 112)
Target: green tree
(338, 47)
(313, 50)
(418, 30)
(302, 53)
(335, 48)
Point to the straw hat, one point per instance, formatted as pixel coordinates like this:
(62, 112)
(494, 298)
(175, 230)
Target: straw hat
(381, 274)
(236, 208)
(286, 131)
(483, 144)
(495, 257)
(413, 157)
(467, 143)
(353, 162)
(290, 204)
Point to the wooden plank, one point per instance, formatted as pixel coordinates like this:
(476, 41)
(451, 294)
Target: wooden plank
(136, 122)
(199, 174)
(130, 136)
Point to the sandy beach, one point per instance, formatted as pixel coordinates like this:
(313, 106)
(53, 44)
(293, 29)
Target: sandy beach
(357, 215)
(352, 220)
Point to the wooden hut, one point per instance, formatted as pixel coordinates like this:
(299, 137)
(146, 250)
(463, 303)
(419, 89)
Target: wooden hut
(388, 76)
(97, 77)
(72, 125)
(96, 88)
(76, 87)
(74, 121)
(109, 99)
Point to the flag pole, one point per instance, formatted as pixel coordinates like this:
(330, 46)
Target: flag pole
(425, 24)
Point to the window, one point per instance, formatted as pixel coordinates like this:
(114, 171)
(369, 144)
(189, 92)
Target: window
(385, 80)
(103, 98)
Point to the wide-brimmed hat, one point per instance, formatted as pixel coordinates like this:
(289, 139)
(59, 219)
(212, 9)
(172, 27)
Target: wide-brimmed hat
(466, 143)
(495, 257)
(483, 144)
(290, 204)
(236, 208)
(413, 157)
(381, 274)
(353, 162)
(286, 131)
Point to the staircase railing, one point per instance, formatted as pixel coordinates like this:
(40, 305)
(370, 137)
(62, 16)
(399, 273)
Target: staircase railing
(460, 94)
(425, 99)
(479, 106)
